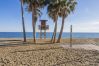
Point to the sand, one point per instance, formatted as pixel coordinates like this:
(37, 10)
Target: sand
(42, 41)
(16, 53)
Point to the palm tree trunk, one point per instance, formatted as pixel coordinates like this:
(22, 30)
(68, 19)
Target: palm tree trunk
(61, 31)
(53, 35)
(55, 32)
(52, 39)
(34, 32)
(23, 24)
(33, 25)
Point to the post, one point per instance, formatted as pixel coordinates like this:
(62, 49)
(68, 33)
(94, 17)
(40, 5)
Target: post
(71, 36)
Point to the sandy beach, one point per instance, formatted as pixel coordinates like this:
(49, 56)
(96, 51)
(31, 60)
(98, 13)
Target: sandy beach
(16, 53)
(67, 40)
(49, 33)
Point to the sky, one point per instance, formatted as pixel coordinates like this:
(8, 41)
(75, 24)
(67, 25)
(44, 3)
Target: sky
(85, 18)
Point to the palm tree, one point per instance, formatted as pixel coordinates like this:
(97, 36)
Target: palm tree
(54, 16)
(53, 10)
(68, 6)
(23, 24)
(34, 7)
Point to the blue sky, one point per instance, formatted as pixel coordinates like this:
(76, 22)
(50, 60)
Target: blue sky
(84, 19)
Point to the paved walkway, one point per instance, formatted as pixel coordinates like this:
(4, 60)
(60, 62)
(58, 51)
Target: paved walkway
(83, 46)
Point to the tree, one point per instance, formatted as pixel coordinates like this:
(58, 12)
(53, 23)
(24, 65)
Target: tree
(53, 9)
(68, 6)
(54, 16)
(23, 24)
(34, 7)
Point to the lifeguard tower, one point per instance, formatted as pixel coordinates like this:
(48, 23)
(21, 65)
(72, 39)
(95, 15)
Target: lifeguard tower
(43, 27)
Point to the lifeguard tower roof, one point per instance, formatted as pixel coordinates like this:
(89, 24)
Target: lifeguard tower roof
(43, 20)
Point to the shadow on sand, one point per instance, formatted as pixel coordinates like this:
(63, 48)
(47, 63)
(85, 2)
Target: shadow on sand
(14, 43)
(39, 49)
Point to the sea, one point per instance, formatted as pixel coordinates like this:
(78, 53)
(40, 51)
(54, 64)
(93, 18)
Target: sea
(48, 35)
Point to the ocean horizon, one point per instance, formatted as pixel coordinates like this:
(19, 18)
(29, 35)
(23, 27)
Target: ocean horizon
(48, 35)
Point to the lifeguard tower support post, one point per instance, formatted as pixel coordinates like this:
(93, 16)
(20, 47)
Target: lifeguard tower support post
(43, 27)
